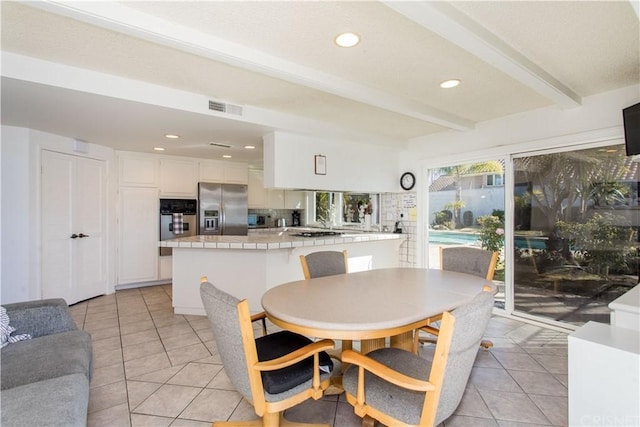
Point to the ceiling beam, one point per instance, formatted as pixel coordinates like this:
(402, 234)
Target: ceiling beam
(117, 17)
(456, 27)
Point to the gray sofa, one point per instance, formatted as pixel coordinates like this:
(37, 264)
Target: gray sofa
(45, 380)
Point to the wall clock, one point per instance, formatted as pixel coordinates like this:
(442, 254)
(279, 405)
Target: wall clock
(407, 181)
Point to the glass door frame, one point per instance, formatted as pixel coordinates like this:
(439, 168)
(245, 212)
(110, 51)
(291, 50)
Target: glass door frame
(581, 141)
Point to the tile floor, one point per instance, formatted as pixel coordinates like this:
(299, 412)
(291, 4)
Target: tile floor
(154, 368)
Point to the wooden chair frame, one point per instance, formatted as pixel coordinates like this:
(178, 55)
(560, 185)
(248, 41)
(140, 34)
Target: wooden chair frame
(270, 413)
(486, 344)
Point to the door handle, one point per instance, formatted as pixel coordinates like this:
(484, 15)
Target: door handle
(81, 235)
(74, 236)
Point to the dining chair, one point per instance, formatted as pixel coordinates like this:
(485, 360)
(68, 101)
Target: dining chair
(274, 372)
(468, 260)
(399, 388)
(324, 263)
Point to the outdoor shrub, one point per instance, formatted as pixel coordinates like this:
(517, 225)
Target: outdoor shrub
(491, 233)
(442, 217)
(499, 213)
(467, 218)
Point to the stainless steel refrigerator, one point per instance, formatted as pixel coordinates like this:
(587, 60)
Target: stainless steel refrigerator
(222, 209)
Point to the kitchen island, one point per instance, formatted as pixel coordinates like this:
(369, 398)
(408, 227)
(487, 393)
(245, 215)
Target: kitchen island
(246, 266)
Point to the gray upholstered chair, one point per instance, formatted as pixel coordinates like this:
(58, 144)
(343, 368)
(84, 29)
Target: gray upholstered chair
(468, 260)
(398, 388)
(324, 263)
(273, 372)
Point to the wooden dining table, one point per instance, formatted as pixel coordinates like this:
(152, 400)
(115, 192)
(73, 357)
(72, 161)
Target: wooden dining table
(369, 306)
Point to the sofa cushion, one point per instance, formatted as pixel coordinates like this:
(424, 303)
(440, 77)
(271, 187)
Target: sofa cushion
(61, 401)
(46, 357)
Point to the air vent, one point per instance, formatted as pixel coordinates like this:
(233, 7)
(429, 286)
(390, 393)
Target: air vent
(218, 144)
(225, 108)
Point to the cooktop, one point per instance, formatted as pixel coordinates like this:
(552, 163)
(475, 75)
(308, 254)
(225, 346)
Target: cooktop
(317, 233)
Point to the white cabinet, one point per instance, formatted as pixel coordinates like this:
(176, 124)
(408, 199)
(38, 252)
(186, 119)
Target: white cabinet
(275, 198)
(256, 193)
(138, 169)
(211, 172)
(236, 173)
(138, 235)
(178, 178)
(294, 199)
(228, 173)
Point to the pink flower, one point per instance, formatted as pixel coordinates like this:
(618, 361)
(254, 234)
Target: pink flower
(499, 231)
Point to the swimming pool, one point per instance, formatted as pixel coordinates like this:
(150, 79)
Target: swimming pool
(465, 238)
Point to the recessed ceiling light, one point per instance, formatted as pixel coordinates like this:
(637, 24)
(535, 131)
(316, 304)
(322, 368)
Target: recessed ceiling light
(158, 148)
(250, 147)
(347, 39)
(227, 156)
(171, 136)
(448, 84)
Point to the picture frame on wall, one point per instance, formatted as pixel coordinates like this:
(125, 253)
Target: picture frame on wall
(320, 164)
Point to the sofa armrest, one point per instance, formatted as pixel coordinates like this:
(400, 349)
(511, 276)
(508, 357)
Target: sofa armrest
(38, 318)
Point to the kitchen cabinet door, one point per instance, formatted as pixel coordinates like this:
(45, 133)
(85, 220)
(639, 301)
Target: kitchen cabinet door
(138, 230)
(275, 198)
(236, 174)
(256, 193)
(211, 172)
(74, 207)
(178, 178)
(138, 169)
(294, 199)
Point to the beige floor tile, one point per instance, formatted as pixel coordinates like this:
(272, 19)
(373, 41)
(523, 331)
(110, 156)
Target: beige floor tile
(472, 405)
(205, 335)
(139, 420)
(312, 411)
(516, 407)
(188, 354)
(195, 375)
(140, 337)
(519, 361)
(160, 376)
(556, 410)
(221, 381)
(139, 391)
(102, 334)
(189, 423)
(144, 365)
(164, 318)
(132, 328)
(464, 421)
(102, 316)
(168, 401)
(203, 409)
(115, 416)
(107, 375)
(141, 350)
(539, 383)
(134, 318)
(97, 325)
(106, 344)
(175, 330)
(199, 322)
(106, 358)
(486, 359)
(494, 380)
(183, 340)
(556, 364)
(345, 417)
(107, 396)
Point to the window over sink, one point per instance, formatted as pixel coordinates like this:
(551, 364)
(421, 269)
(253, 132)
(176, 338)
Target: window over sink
(345, 209)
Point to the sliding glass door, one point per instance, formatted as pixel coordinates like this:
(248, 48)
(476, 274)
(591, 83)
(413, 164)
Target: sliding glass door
(576, 219)
(568, 240)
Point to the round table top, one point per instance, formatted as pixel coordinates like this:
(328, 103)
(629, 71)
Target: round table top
(368, 304)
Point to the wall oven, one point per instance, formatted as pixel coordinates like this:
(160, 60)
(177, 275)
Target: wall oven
(178, 218)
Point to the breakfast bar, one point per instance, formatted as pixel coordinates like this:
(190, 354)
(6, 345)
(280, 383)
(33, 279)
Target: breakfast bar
(247, 266)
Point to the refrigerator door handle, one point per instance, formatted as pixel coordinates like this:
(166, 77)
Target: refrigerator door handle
(222, 218)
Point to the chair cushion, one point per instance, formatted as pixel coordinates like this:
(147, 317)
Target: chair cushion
(278, 344)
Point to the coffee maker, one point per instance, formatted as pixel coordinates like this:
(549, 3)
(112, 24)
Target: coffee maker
(295, 219)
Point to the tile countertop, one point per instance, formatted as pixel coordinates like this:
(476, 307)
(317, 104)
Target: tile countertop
(273, 240)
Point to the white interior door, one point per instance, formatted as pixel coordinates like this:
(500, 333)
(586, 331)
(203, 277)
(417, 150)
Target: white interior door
(73, 227)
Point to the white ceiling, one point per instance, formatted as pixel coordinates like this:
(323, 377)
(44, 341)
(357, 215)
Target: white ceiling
(277, 61)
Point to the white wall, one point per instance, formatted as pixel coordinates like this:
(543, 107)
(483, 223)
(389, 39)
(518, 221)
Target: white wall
(351, 166)
(20, 225)
(16, 275)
